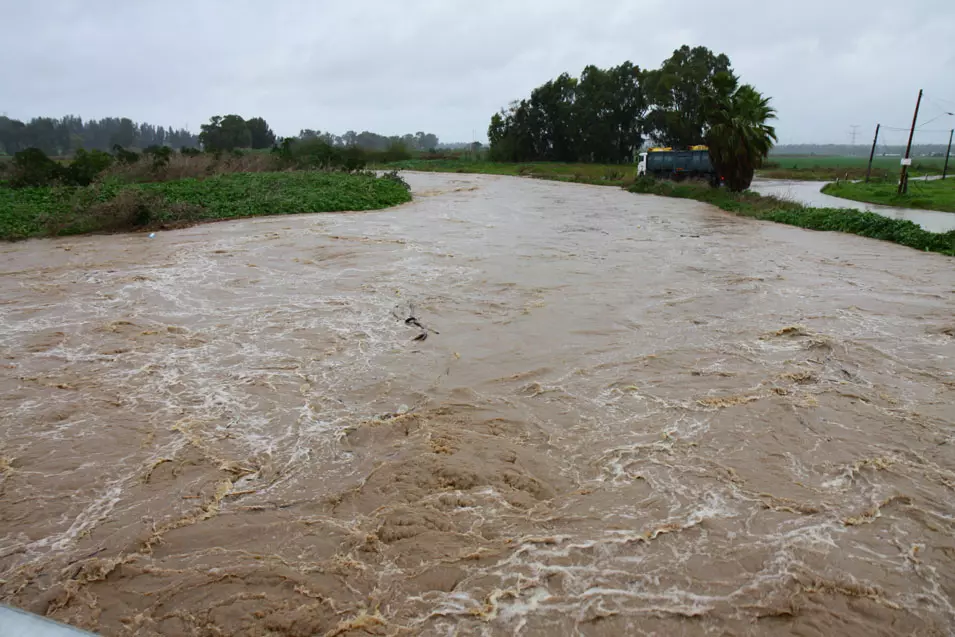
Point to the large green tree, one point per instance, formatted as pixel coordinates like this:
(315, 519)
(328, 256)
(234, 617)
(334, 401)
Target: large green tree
(738, 132)
(262, 135)
(225, 133)
(609, 107)
(676, 91)
(596, 118)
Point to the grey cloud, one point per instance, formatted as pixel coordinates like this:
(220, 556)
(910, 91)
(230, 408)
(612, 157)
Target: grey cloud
(446, 66)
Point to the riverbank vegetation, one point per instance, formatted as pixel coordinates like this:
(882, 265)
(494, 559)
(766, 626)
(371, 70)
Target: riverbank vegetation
(160, 188)
(112, 206)
(750, 204)
(936, 194)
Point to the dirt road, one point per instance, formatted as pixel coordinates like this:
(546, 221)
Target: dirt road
(632, 416)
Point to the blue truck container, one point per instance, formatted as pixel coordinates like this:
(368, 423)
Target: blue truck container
(667, 163)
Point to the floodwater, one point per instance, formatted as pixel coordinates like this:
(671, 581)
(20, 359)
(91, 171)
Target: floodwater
(809, 193)
(632, 416)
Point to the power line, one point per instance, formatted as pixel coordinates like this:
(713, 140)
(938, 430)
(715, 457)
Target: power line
(921, 130)
(942, 99)
(855, 131)
(939, 105)
(932, 120)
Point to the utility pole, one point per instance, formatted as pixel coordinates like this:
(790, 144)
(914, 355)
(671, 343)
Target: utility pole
(948, 152)
(904, 177)
(855, 130)
(868, 171)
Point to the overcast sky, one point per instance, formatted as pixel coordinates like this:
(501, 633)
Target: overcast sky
(444, 66)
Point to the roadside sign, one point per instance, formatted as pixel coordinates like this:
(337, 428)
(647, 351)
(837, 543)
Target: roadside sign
(906, 161)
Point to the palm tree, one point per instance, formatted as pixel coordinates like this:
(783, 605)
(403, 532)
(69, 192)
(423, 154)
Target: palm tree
(738, 136)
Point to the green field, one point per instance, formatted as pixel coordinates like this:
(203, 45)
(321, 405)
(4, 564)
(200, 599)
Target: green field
(830, 168)
(929, 195)
(114, 207)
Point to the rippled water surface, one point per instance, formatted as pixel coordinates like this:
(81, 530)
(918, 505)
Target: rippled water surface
(631, 415)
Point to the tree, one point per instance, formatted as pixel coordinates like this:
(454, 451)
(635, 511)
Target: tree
(676, 92)
(262, 135)
(610, 106)
(738, 134)
(425, 141)
(225, 133)
(125, 133)
(11, 135)
(235, 133)
(598, 118)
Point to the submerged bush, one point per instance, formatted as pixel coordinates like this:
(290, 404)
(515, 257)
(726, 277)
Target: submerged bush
(395, 176)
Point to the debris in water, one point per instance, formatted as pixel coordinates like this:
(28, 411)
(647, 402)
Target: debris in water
(726, 401)
(789, 330)
(412, 321)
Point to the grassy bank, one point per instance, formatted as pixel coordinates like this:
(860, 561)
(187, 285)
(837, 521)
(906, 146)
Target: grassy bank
(749, 204)
(830, 168)
(928, 195)
(600, 174)
(113, 206)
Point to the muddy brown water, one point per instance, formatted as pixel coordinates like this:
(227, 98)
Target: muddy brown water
(639, 416)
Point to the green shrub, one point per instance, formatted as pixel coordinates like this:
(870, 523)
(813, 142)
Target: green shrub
(159, 154)
(31, 167)
(124, 156)
(86, 166)
(396, 177)
(353, 159)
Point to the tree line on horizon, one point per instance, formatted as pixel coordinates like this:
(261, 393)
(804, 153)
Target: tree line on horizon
(66, 135)
(608, 115)
(420, 141)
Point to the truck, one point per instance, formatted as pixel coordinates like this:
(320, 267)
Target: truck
(668, 163)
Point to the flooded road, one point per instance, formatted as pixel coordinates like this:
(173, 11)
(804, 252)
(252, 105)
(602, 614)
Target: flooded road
(630, 416)
(809, 193)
